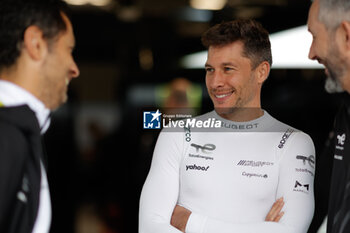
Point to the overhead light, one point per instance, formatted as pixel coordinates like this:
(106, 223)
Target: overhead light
(289, 51)
(100, 2)
(89, 2)
(208, 4)
(77, 2)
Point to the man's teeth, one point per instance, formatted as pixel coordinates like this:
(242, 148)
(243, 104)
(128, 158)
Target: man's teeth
(221, 96)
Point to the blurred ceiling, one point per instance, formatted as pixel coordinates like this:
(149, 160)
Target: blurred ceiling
(141, 37)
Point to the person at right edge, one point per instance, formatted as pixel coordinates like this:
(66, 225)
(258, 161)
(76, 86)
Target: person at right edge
(329, 24)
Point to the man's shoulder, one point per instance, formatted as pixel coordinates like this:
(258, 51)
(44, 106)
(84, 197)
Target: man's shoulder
(8, 123)
(289, 134)
(9, 130)
(13, 141)
(19, 118)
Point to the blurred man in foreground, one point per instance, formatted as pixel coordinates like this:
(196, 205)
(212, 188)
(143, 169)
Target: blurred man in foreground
(36, 66)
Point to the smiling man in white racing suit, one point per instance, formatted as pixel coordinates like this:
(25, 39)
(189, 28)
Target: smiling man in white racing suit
(247, 172)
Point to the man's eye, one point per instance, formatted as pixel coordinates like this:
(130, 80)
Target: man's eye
(208, 69)
(228, 68)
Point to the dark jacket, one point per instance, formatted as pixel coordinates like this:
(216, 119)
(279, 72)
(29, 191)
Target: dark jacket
(20, 174)
(339, 201)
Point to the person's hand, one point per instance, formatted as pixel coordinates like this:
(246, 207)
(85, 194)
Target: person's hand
(180, 217)
(275, 213)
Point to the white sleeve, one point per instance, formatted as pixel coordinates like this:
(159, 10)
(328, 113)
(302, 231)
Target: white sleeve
(161, 189)
(296, 176)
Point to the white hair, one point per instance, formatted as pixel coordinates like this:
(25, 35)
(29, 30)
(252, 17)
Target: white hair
(333, 12)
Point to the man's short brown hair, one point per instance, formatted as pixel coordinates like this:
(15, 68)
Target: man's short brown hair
(255, 38)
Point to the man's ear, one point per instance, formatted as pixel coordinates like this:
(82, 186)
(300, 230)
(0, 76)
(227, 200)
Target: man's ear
(344, 33)
(34, 43)
(262, 71)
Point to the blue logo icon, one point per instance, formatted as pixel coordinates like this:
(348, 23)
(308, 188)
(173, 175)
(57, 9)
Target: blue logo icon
(151, 120)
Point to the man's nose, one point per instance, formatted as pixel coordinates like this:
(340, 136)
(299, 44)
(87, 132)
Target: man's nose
(75, 72)
(218, 79)
(312, 54)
